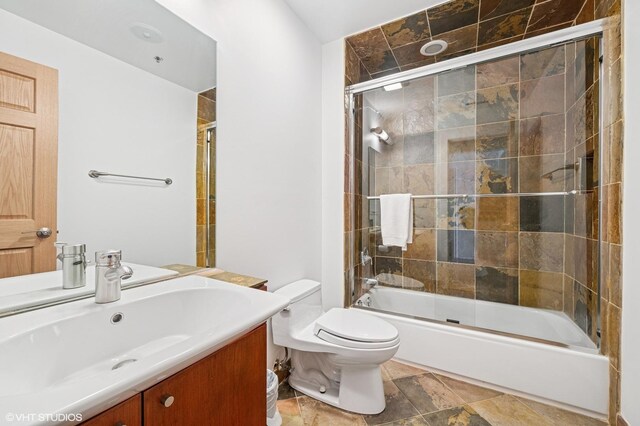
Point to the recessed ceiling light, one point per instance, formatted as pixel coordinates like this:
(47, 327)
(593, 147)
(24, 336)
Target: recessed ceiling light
(391, 87)
(146, 33)
(434, 47)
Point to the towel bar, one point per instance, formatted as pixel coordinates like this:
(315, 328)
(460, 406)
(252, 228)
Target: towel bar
(96, 174)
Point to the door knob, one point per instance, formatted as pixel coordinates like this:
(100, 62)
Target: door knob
(167, 400)
(43, 232)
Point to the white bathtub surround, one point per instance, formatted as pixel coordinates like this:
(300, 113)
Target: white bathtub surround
(542, 324)
(396, 220)
(574, 378)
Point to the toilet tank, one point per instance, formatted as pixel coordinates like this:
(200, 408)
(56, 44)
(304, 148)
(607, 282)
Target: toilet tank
(304, 309)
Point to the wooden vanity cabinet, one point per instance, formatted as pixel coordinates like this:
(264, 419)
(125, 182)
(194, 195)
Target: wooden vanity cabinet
(127, 413)
(226, 388)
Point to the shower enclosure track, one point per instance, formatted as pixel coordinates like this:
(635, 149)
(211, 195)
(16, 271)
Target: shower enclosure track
(576, 32)
(521, 194)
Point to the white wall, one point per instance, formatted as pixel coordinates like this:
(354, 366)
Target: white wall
(117, 118)
(631, 228)
(268, 142)
(269, 153)
(333, 122)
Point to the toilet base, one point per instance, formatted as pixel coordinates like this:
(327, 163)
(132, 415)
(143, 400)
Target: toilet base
(359, 388)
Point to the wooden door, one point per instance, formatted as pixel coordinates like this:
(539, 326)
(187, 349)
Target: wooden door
(28, 166)
(227, 388)
(127, 413)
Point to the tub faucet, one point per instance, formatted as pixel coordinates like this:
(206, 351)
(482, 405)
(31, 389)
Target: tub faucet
(370, 283)
(364, 257)
(367, 261)
(109, 275)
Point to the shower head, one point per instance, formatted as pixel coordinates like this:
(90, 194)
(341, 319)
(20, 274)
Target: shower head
(382, 135)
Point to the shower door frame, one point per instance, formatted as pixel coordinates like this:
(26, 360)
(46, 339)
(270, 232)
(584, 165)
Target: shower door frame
(212, 128)
(595, 28)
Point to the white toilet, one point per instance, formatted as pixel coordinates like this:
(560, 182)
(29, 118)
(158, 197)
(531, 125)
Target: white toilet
(336, 356)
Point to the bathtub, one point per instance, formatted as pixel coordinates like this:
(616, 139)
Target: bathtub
(556, 361)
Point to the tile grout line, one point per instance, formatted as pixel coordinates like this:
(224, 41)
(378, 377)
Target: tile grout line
(405, 395)
(465, 401)
(454, 392)
(299, 406)
(526, 28)
(435, 376)
(584, 5)
(384, 35)
(478, 36)
(530, 409)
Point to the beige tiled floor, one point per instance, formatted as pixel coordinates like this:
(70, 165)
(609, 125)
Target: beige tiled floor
(417, 397)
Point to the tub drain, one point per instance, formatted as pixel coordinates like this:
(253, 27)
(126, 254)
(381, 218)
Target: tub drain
(123, 363)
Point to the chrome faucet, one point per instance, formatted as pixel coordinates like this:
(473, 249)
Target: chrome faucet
(109, 275)
(364, 257)
(367, 262)
(74, 265)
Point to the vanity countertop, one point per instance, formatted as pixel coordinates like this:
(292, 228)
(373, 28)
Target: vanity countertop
(219, 274)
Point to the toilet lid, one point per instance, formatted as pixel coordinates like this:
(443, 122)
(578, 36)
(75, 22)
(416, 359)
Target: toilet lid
(355, 326)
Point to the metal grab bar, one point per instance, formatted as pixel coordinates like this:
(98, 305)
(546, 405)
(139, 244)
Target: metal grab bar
(521, 194)
(96, 174)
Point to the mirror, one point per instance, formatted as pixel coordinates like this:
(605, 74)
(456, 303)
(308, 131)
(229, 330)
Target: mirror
(124, 89)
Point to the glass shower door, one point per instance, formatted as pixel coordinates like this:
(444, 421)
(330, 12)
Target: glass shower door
(502, 160)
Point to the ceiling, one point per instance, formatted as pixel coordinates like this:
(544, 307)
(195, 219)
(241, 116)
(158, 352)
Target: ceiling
(333, 19)
(189, 56)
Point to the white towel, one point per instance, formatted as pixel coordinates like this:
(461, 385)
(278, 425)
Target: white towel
(396, 220)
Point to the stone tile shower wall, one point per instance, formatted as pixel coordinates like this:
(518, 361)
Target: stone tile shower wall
(495, 128)
(206, 116)
(466, 25)
(611, 245)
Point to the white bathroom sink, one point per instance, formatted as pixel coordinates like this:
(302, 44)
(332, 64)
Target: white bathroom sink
(73, 358)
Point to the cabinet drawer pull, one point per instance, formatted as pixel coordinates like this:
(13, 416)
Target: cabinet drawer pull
(120, 423)
(167, 400)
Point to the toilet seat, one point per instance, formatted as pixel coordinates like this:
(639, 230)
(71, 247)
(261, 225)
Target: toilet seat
(354, 344)
(352, 329)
